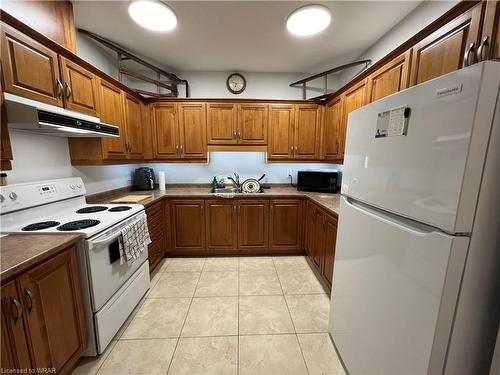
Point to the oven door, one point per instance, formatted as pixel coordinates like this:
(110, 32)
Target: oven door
(107, 270)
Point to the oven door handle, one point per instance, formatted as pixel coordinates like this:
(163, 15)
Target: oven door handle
(107, 239)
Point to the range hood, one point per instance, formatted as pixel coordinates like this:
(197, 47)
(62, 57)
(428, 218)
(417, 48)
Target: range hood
(36, 117)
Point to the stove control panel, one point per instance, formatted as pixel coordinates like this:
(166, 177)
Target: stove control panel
(21, 196)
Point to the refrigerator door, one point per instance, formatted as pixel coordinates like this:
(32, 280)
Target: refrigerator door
(394, 292)
(432, 173)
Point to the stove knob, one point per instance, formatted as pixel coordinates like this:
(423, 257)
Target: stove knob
(13, 196)
(2, 198)
(79, 186)
(72, 186)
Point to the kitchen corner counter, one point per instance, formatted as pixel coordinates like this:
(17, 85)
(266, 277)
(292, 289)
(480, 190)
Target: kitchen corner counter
(330, 202)
(20, 252)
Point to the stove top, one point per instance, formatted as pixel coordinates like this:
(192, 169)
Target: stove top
(39, 226)
(91, 209)
(78, 224)
(58, 206)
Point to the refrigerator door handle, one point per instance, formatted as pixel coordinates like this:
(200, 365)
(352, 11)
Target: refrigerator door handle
(405, 224)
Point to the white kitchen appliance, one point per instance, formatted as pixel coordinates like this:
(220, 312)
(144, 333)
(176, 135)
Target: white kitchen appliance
(111, 286)
(416, 280)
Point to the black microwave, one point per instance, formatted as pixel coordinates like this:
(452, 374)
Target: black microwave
(320, 181)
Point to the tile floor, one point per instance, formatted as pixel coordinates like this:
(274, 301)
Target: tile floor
(247, 316)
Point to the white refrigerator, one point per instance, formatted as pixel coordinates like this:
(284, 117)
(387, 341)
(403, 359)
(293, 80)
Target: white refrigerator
(417, 265)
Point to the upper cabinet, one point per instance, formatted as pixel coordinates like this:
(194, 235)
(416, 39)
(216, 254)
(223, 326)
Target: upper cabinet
(5, 147)
(237, 124)
(389, 79)
(80, 87)
(133, 126)
(332, 129)
(353, 98)
(179, 131)
(294, 132)
(29, 68)
(489, 46)
(449, 48)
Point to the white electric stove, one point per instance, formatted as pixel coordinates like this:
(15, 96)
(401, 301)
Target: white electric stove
(111, 286)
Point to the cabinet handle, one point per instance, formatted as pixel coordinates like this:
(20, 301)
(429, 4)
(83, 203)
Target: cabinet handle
(19, 310)
(235, 209)
(296, 150)
(484, 42)
(176, 149)
(467, 54)
(182, 149)
(239, 134)
(31, 299)
(60, 88)
(235, 134)
(291, 149)
(69, 92)
(337, 151)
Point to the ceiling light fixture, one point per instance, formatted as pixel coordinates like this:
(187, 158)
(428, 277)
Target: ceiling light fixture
(153, 15)
(308, 20)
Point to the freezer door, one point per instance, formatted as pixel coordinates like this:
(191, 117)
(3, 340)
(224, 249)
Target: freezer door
(394, 292)
(427, 166)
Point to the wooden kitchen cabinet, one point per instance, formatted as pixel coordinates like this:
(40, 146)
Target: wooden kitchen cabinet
(42, 316)
(253, 225)
(5, 146)
(445, 50)
(332, 128)
(15, 352)
(281, 129)
(321, 239)
(156, 225)
(389, 79)
(165, 131)
(111, 112)
(294, 132)
(80, 87)
(353, 98)
(285, 224)
(222, 124)
(252, 124)
(133, 126)
(489, 47)
(307, 133)
(188, 224)
(29, 69)
(179, 131)
(221, 224)
(192, 131)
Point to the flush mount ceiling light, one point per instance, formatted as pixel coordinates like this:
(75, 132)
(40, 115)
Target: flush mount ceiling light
(308, 20)
(153, 15)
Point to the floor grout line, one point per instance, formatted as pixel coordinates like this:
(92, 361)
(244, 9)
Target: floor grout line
(293, 323)
(184, 322)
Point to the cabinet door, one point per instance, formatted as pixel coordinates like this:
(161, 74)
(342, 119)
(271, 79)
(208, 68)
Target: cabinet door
(133, 123)
(317, 237)
(221, 225)
(111, 112)
(354, 98)
(252, 124)
(29, 69)
(307, 135)
(309, 228)
(390, 78)
(253, 224)
(54, 313)
(332, 129)
(285, 232)
(165, 131)
(80, 88)
(490, 38)
(281, 127)
(444, 50)
(222, 124)
(156, 227)
(188, 224)
(15, 353)
(5, 147)
(193, 130)
(329, 247)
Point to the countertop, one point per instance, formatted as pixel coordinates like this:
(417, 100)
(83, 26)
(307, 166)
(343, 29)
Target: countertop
(330, 202)
(19, 252)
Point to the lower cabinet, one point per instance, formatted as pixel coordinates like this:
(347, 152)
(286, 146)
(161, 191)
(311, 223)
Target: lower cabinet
(188, 224)
(253, 227)
(156, 222)
(221, 225)
(285, 225)
(321, 235)
(43, 325)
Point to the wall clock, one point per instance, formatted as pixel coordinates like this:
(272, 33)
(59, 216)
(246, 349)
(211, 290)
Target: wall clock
(236, 83)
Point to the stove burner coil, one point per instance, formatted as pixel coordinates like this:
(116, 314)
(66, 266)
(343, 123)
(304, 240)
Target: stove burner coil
(91, 209)
(77, 225)
(119, 208)
(40, 226)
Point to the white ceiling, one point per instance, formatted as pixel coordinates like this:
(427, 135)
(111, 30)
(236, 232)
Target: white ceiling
(245, 36)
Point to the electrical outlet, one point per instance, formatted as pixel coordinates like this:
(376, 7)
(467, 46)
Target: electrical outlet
(288, 172)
